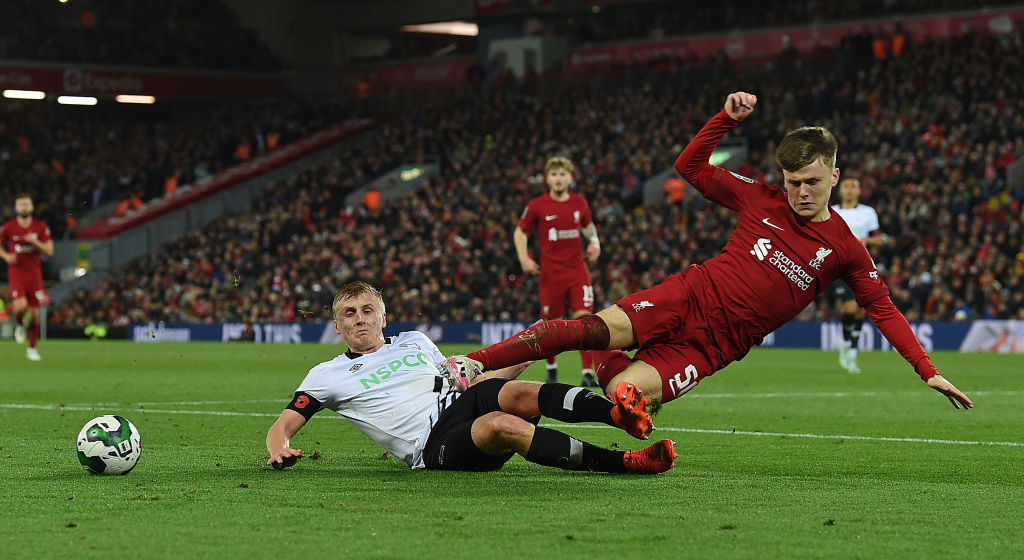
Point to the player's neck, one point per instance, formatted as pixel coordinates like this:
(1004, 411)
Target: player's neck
(369, 349)
(848, 205)
(24, 222)
(559, 197)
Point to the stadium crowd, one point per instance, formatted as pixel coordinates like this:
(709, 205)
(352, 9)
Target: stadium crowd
(658, 19)
(929, 133)
(80, 162)
(182, 34)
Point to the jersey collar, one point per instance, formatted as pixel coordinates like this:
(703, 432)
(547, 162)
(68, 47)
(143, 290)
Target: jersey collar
(353, 355)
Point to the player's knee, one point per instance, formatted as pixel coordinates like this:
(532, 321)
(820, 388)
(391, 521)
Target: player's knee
(646, 378)
(518, 395)
(608, 364)
(501, 429)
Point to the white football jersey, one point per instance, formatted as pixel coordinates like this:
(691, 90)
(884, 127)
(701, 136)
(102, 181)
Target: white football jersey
(862, 219)
(394, 395)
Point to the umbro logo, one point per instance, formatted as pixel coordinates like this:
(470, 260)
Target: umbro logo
(638, 306)
(769, 224)
(761, 248)
(355, 367)
(550, 217)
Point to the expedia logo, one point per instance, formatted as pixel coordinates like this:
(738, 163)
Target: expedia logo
(761, 248)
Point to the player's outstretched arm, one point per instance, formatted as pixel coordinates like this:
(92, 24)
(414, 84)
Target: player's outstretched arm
(510, 372)
(895, 328)
(519, 239)
(954, 395)
(278, 439)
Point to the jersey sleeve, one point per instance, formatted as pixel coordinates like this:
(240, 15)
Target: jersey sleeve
(895, 328)
(529, 218)
(428, 346)
(305, 404)
(873, 225)
(585, 218)
(45, 235)
(714, 183)
(862, 275)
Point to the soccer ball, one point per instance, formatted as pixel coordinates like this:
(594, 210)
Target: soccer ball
(109, 445)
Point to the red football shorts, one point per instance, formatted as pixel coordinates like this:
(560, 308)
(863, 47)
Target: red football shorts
(30, 289)
(673, 335)
(576, 288)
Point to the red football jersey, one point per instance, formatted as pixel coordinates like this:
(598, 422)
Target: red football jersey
(12, 238)
(775, 264)
(557, 228)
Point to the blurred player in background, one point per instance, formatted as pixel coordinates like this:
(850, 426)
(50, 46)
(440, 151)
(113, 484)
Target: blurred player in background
(787, 248)
(391, 389)
(558, 218)
(22, 240)
(863, 222)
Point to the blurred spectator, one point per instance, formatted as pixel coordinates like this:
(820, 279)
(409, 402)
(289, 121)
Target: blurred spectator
(928, 133)
(179, 34)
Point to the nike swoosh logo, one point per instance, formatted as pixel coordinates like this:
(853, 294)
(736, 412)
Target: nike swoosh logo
(549, 218)
(769, 224)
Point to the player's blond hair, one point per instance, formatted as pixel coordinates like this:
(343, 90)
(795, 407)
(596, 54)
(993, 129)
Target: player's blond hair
(356, 289)
(805, 145)
(559, 163)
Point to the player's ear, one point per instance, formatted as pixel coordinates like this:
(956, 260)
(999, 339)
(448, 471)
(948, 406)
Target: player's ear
(835, 176)
(337, 328)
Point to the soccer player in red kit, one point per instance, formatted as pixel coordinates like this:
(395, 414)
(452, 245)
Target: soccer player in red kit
(787, 249)
(558, 218)
(22, 240)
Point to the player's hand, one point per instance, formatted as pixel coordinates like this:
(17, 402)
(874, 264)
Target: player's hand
(284, 458)
(739, 105)
(11, 258)
(529, 265)
(954, 395)
(593, 252)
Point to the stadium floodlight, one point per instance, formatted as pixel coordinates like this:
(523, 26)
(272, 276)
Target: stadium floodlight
(76, 100)
(24, 94)
(144, 99)
(445, 28)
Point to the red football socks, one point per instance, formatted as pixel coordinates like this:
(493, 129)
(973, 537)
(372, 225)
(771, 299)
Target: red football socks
(545, 339)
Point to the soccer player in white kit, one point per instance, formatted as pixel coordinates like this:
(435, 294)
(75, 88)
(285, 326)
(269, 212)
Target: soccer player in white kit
(863, 222)
(392, 390)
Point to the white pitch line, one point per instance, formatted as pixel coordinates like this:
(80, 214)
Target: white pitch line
(811, 436)
(146, 410)
(689, 396)
(562, 426)
(837, 394)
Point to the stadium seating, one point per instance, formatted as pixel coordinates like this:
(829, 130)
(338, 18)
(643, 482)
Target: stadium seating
(930, 133)
(181, 34)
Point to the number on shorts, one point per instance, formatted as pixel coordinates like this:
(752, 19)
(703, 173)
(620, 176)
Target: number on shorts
(681, 385)
(588, 295)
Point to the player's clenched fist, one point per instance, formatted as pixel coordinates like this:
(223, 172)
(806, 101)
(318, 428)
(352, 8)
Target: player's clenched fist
(740, 104)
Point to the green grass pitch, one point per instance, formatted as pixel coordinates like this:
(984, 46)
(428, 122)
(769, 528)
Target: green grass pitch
(782, 455)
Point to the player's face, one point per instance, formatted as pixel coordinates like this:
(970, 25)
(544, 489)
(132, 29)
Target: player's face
(558, 179)
(849, 192)
(360, 321)
(808, 190)
(23, 207)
